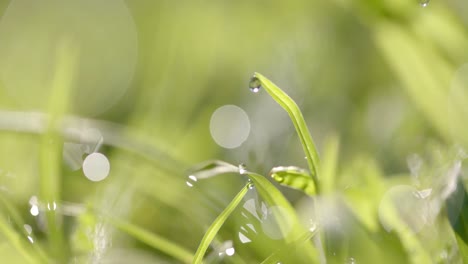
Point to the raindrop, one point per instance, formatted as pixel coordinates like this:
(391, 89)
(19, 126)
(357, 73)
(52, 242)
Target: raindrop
(351, 261)
(51, 206)
(250, 184)
(242, 168)
(312, 226)
(424, 3)
(34, 206)
(191, 181)
(34, 210)
(28, 228)
(30, 239)
(230, 251)
(255, 85)
(226, 248)
(96, 167)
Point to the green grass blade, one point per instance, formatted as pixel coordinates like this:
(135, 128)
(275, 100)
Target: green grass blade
(295, 178)
(51, 146)
(274, 197)
(295, 114)
(216, 225)
(153, 240)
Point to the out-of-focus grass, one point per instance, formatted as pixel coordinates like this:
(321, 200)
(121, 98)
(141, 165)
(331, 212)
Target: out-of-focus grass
(385, 77)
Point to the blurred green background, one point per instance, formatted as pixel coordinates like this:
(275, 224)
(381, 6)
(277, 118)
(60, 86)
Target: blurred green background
(388, 77)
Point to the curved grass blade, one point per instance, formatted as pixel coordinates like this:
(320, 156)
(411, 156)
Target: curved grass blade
(212, 168)
(216, 225)
(153, 240)
(294, 177)
(295, 114)
(274, 197)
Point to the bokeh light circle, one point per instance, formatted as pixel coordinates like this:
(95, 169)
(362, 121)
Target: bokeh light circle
(229, 126)
(96, 167)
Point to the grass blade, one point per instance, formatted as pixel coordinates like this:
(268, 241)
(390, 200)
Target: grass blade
(295, 114)
(153, 240)
(216, 225)
(51, 146)
(273, 196)
(295, 178)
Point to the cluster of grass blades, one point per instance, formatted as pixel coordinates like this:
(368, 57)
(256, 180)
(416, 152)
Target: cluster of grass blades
(397, 243)
(290, 176)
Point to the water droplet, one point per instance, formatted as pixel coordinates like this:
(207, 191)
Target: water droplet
(96, 167)
(242, 168)
(250, 184)
(51, 206)
(31, 239)
(226, 248)
(351, 261)
(230, 251)
(34, 210)
(34, 206)
(28, 228)
(312, 226)
(191, 181)
(255, 85)
(424, 3)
